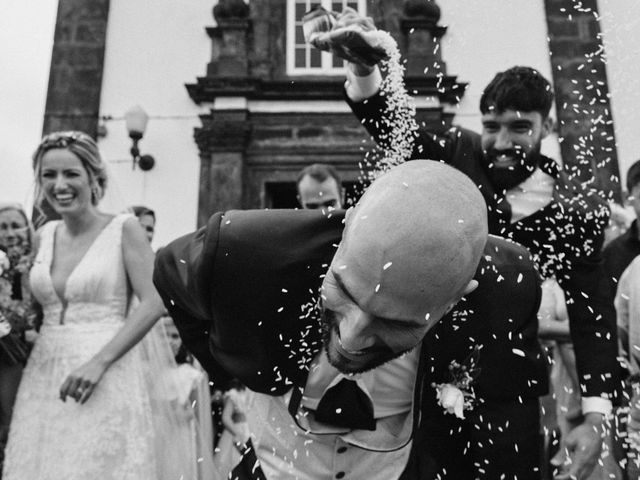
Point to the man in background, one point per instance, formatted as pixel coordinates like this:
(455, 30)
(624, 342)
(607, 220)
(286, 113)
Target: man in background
(319, 187)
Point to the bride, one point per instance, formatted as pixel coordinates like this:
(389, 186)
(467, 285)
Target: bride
(91, 403)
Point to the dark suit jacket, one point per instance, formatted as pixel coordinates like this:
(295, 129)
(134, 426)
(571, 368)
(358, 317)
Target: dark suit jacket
(241, 288)
(565, 241)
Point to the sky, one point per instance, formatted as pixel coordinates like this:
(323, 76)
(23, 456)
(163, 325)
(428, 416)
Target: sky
(26, 40)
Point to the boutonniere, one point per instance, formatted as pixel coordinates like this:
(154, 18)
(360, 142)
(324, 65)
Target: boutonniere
(458, 395)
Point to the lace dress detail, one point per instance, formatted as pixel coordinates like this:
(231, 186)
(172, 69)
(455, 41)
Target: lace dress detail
(111, 436)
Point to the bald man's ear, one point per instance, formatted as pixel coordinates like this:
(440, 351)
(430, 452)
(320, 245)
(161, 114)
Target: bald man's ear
(471, 286)
(348, 214)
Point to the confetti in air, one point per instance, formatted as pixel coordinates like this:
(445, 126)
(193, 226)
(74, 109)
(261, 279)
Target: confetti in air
(398, 120)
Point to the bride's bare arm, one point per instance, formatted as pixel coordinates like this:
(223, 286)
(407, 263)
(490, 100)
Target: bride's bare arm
(138, 260)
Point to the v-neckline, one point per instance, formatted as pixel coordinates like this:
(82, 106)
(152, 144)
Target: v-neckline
(62, 299)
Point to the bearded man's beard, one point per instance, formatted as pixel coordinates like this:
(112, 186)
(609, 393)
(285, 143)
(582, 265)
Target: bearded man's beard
(379, 355)
(508, 177)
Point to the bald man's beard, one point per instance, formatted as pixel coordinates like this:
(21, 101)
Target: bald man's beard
(375, 356)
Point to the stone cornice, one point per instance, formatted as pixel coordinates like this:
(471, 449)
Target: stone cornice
(447, 89)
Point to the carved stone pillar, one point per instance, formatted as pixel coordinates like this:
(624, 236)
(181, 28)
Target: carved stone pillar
(422, 35)
(229, 53)
(223, 137)
(581, 89)
(222, 142)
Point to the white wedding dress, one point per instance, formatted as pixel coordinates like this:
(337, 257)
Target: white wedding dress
(113, 436)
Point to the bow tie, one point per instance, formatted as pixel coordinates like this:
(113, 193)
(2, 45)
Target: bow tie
(346, 405)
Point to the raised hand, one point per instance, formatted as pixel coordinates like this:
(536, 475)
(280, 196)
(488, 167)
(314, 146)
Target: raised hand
(351, 37)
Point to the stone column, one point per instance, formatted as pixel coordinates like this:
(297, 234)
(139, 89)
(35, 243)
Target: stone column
(224, 135)
(222, 142)
(582, 95)
(229, 53)
(77, 62)
(422, 35)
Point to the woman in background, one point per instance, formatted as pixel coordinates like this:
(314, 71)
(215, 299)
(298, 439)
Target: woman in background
(191, 381)
(89, 405)
(16, 241)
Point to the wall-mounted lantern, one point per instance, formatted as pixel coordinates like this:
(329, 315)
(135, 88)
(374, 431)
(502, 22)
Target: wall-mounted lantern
(136, 121)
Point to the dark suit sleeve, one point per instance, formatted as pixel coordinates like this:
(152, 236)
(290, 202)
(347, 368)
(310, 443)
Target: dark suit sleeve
(592, 322)
(592, 318)
(457, 147)
(177, 274)
(371, 113)
(243, 292)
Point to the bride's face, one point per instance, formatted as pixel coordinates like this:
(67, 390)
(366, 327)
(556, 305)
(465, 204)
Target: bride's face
(65, 182)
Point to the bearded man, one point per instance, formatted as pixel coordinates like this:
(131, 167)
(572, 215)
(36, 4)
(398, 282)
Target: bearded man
(530, 199)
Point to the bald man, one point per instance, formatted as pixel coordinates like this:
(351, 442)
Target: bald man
(336, 322)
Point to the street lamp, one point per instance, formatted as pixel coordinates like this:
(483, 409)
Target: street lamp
(136, 122)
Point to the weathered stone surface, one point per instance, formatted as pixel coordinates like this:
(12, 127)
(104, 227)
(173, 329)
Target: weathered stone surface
(75, 79)
(248, 59)
(582, 96)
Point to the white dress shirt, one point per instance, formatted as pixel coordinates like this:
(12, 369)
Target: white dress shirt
(287, 451)
(390, 386)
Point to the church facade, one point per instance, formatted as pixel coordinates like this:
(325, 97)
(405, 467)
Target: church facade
(238, 103)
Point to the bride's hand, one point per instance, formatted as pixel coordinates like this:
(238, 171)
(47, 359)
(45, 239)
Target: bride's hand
(81, 383)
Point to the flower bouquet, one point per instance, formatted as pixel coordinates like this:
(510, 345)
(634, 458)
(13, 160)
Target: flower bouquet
(16, 311)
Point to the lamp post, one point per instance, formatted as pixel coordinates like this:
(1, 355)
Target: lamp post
(136, 122)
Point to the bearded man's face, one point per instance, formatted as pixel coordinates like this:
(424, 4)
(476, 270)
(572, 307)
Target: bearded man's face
(511, 143)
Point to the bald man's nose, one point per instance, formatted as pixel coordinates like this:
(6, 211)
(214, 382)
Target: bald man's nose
(355, 331)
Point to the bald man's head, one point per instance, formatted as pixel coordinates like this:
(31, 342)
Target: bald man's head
(409, 251)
